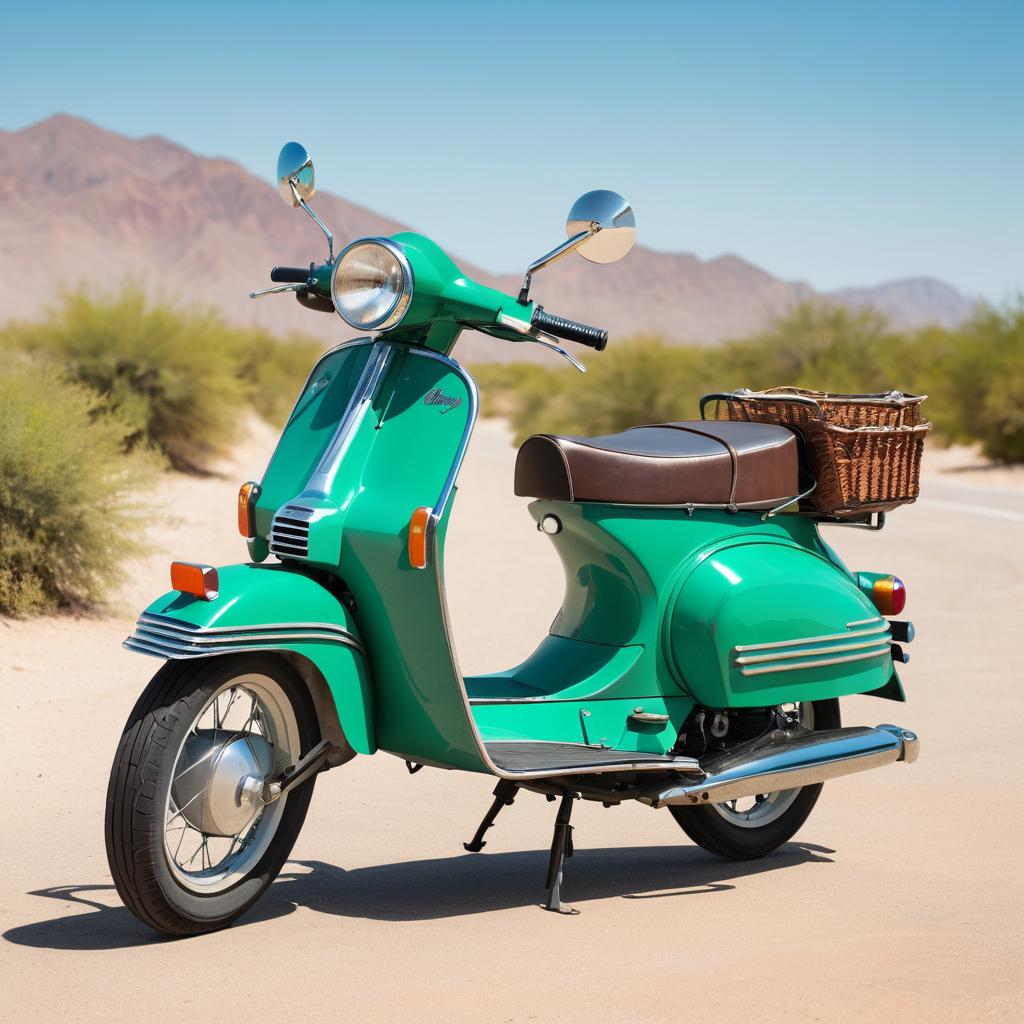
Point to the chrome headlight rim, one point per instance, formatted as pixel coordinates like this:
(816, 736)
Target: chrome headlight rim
(396, 312)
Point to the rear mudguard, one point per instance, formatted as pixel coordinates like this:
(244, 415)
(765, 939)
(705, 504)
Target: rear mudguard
(273, 608)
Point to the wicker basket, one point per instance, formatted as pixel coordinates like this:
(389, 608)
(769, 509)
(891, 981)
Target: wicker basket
(863, 450)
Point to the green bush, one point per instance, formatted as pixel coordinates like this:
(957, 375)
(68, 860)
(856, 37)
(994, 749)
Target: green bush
(168, 376)
(274, 370)
(65, 519)
(973, 375)
(817, 346)
(986, 381)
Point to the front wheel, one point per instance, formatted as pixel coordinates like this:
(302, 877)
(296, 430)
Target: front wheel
(744, 829)
(190, 842)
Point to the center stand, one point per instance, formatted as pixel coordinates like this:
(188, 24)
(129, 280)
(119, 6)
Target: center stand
(561, 847)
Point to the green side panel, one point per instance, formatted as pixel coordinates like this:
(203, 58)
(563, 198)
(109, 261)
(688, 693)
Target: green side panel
(748, 594)
(263, 595)
(625, 570)
(410, 448)
(309, 431)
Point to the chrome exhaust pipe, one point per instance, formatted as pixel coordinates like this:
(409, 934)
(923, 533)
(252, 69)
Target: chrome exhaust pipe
(787, 759)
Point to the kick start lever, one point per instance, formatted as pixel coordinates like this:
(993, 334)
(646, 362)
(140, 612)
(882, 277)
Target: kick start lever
(296, 774)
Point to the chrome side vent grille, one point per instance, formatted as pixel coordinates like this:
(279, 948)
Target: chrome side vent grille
(289, 532)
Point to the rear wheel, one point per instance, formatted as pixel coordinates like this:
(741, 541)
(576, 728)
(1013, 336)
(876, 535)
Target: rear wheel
(190, 842)
(748, 828)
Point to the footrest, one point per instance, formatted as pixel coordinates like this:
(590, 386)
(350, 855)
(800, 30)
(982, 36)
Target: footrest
(530, 756)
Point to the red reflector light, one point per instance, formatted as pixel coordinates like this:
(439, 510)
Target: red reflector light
(197, 580)
(889, 595)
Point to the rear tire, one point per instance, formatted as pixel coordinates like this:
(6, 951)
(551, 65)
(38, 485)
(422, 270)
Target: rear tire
(711, 829)
(182, 899)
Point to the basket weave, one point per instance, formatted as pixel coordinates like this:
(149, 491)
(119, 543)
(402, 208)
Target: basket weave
(863, 450)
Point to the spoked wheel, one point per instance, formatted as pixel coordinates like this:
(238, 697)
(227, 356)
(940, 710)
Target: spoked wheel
(753, 826)
(190, 840)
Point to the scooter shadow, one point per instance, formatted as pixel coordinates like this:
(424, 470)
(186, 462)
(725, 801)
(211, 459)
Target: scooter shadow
(424, 890)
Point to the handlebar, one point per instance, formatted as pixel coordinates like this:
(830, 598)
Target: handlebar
(290, 275)
(570, 330)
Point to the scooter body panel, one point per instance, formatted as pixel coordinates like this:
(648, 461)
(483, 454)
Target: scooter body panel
(269, 607)
(690, 587)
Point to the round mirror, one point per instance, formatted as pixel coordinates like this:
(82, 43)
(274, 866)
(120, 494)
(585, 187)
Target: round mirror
(610, 218)
(295, 179)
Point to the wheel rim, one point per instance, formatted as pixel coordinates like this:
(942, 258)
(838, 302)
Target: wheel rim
(763, 809)
(216, 826)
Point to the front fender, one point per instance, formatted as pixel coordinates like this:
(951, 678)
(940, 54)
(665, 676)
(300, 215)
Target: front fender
(271, 608)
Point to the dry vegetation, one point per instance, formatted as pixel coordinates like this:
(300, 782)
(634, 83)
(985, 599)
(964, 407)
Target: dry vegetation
(101, 391)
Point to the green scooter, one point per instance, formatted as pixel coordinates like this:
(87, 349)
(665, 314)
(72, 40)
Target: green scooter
(705, 635)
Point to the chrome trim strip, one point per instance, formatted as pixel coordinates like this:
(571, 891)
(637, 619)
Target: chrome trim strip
(150, 632)
(354, 343)
(753, 659)
(883, 627)
(322, 480)
(474, 407)
(820, 663)
(877, 620)
(188, 628)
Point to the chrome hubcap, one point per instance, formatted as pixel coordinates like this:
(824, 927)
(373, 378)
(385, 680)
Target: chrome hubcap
(220, 778)
(217, 825)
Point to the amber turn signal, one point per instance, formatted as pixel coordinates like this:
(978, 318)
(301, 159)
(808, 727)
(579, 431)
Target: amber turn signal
(247, 495)
(192, 578)
(418, 537)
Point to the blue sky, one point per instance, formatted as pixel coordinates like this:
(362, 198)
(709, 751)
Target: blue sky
(840, 143)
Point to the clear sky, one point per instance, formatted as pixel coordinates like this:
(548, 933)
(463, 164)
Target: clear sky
(841, 143)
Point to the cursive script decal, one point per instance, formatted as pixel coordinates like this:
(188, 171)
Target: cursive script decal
(438, 397)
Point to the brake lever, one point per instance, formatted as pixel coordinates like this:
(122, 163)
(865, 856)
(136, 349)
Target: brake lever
(556, 348)
(530, 333)
(278, 289)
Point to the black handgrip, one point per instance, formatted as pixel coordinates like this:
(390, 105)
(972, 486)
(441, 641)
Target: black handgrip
(289, 275)
(570, 330)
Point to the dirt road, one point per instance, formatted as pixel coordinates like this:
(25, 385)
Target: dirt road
(899, 900)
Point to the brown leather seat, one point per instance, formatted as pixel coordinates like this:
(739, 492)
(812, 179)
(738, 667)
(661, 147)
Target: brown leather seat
(752, 465)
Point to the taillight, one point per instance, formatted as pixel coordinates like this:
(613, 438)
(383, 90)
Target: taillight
(887, 593)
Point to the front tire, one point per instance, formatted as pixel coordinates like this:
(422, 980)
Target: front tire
(743, 834)
(189, 842)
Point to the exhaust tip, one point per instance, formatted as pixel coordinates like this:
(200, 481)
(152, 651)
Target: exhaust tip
(910, 744)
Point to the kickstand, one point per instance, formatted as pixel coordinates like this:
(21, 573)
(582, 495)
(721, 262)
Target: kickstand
(561, 847)
(504, 796)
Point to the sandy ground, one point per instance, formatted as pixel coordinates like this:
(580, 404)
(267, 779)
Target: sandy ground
(899, 900)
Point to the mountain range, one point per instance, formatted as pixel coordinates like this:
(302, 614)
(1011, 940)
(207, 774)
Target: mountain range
(79, 203)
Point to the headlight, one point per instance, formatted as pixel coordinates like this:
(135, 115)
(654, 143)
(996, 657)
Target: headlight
(372, 284)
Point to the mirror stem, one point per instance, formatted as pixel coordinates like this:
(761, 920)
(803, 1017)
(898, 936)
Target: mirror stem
(568, 246)
(320, 224)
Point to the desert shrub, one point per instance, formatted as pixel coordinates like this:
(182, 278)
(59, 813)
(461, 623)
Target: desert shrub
(65, 519)
(500, 384)
(167, 376)
(818, 346)
(274, 369)
(985, 381)
(973, 375)
(642, 381)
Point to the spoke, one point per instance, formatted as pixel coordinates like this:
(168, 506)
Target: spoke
(177, 849)
(199, 761)
(180, 809)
